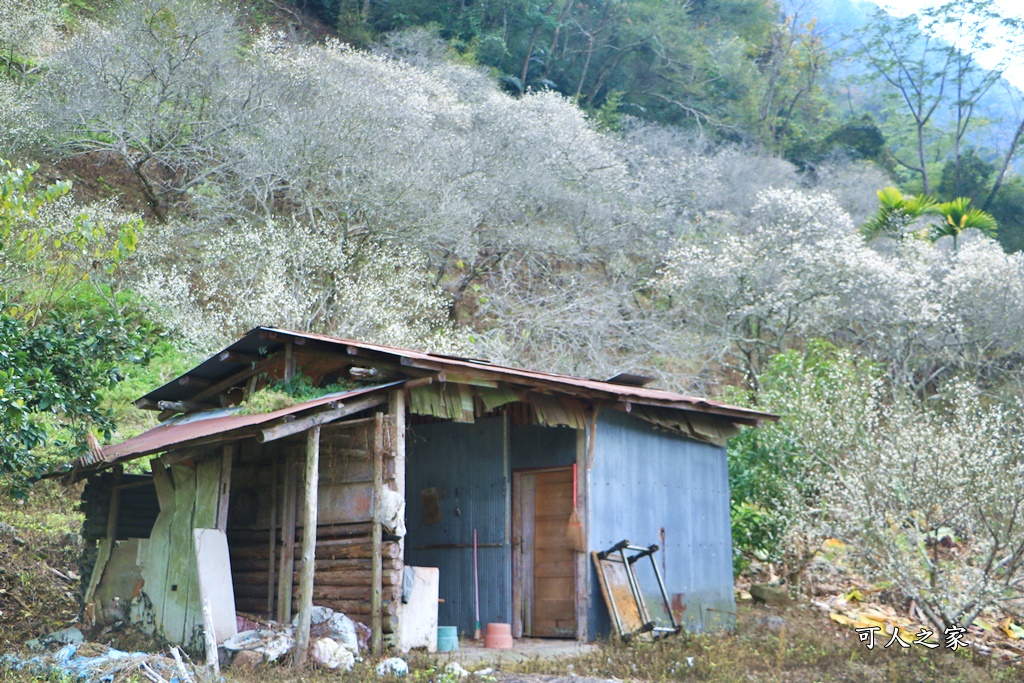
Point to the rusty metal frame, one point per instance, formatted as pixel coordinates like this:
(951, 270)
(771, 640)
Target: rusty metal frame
(618, 554)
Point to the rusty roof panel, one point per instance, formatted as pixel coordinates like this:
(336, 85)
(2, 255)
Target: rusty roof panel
(184, 430)
(267, 340)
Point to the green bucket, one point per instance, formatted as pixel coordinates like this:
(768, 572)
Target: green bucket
(447, 638)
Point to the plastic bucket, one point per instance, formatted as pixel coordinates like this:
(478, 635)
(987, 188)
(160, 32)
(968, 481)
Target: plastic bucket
(499, 636)
(447, 638)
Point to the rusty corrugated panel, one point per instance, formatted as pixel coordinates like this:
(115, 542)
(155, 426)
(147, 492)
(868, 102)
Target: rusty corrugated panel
(466, 465)
(180, 431)
(652, 486)
(259, 340)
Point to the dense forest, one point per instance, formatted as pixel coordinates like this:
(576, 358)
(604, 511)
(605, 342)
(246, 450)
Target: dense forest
(745, 199)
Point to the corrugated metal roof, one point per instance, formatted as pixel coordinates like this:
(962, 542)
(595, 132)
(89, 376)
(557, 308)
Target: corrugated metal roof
(188, 429)
(260, 341)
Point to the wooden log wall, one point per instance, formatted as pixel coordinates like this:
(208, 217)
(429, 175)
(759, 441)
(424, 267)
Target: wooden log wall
(344, 565)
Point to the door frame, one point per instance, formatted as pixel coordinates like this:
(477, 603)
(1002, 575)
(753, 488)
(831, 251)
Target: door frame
(522, 580)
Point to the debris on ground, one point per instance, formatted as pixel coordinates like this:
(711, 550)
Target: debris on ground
(326, 623)
(98, 664)
(66, 636)
(270, 643)
(456, 670)
(392, 666)
(331, 654)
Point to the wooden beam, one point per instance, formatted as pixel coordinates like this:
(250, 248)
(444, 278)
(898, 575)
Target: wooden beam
(308, 545)
(376, 618)
(289, 364)
(227, 455)
(240, 358)
(228, 382)
(185, 406)
(321, 418)
(396, 414)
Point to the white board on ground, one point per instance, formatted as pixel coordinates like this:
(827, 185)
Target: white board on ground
(418, 626)
(215, 586)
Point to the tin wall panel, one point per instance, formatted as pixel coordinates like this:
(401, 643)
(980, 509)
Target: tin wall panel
(467, 464)
(644, 481)
(536, 446)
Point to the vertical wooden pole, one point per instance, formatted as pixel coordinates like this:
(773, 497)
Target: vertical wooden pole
(396, 414)
(227, 455)
(584, 461)
(273, 539)
(285, 571)
(114, 511)
(289, 364)
(308, 544)
(376, 575)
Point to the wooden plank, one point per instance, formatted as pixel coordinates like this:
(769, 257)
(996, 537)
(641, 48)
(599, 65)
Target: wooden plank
(272, 541)
(287, 551)
(561, 568)
(611, 575)
(582, 573)
(529, 550)
(308, 546)
(321, 418)
(228, 454)
(517, 555)
(554, 569)
(180, 558)
(376, 569)
(396, 415)
(216, 592)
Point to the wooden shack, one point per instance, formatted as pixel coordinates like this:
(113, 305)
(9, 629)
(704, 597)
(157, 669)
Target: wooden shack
(402, 458)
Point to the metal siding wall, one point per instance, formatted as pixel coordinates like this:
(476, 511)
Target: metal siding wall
(642, 480)
(536, 446)
(466, 462)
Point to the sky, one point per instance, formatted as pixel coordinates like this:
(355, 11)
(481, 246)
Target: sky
(1013, 8)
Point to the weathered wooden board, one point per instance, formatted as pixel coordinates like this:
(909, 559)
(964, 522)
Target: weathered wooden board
(213, 568)
(554, 569)
(611, 574)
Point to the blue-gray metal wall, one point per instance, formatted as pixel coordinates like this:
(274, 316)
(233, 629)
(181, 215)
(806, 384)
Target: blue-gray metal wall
(535, 446)
(644, 480)
(467, 465)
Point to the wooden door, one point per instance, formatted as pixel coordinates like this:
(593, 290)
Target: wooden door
(546, 565)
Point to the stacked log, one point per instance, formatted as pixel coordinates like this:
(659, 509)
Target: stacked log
(343, 572)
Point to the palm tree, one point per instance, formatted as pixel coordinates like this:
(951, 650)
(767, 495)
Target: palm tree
(895, 213)
(959, 217)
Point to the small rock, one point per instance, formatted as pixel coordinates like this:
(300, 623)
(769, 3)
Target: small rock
(769, 594)
(247, 660)
(331, 654)
(393, 666)
(689, 661)
(773, 623)
(489, 670)
(455, 669)
(7, 530)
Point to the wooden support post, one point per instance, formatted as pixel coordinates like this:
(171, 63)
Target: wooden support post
(376, 621)
(284, 586)
(308, 545)
(272, 549)
(227, 455)
(584, 449)
(396, 414)
(289, 364)
(114, 511)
